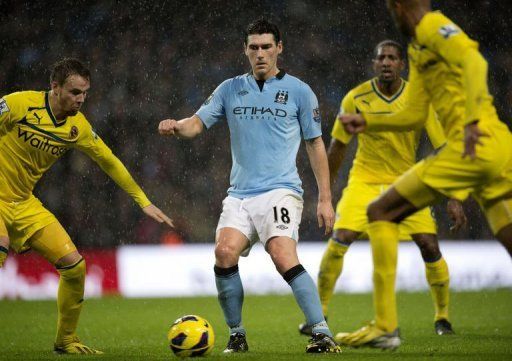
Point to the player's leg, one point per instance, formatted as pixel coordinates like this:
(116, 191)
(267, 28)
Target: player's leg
(232, 238)
(384, 214)
(438, 278)
(351, 221)
(229, 245)
(4, 242)
(330, 270)
(499, 216)
(505, 237)
(283, 251)
(55, 245)
(331, 264)
(5, 214)
(276, 217)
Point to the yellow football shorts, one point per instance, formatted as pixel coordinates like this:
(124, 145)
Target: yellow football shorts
(351, 211)
(28, 218)
(488, 178)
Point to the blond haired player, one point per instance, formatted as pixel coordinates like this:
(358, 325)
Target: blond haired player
(36, 129)
(447, 71)
(380, 159)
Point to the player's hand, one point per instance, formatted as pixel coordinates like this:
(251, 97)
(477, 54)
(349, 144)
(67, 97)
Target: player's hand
(168, 127)
(325, 215)
(353, 123)
(456, 214)
(159, 216)
(472, 136)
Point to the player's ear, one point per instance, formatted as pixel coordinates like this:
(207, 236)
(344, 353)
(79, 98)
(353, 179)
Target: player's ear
(55, 86)
(279, 47)
(374, 65)
(402, 64)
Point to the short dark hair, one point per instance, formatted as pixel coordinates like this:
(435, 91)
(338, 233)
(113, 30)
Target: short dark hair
(399, 48)
(66, 67)
(262, 26)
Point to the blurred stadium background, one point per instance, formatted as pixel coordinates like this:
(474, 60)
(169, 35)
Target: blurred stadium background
(152, 60)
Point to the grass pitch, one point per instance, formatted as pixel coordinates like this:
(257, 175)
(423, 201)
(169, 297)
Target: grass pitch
(135, 329)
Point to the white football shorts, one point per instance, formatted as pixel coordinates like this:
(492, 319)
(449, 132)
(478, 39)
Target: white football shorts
(260, 218)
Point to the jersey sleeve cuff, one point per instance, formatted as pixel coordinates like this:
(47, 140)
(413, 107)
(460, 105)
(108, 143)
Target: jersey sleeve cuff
(200, 116)
(143, 201)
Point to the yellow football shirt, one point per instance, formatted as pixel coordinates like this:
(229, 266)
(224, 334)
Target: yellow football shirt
(447, 71)
(32, 139)
(383, 156)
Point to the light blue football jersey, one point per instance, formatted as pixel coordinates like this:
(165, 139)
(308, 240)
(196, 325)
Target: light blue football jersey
(266, 127)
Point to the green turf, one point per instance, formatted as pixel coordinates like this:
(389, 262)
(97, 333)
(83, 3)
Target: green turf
(135, 329)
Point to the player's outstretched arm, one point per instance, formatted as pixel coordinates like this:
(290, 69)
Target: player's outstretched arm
(186, 128)
(318, 160)
(159, 216)
(94, 147)
(474, 68)
(412, 116)
(353, 123)
(116, 170)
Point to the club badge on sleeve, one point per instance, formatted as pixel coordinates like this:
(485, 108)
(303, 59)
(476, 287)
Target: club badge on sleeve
(3, 107)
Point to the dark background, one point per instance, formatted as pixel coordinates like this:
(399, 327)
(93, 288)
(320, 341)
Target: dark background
(153, 60)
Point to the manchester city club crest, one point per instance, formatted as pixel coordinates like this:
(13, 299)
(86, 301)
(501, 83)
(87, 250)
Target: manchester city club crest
(281, 97)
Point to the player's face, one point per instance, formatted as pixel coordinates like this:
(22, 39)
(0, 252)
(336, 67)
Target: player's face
(262, 51)
(398, 13)
(387, 64)
(71, 95)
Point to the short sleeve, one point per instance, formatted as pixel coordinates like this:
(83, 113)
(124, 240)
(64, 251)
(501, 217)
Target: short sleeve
(309, 114)
(213, 108)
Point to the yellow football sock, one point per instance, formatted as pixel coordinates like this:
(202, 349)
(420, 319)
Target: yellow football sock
(330, 270)
(384, 242)
(438, 278)
(69, 300)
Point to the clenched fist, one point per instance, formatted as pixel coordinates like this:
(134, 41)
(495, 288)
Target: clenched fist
(168, 127)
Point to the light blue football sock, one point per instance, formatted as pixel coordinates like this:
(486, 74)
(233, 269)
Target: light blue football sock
(306, 294)
(231, 296)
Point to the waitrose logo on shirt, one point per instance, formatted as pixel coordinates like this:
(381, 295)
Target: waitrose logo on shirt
(41, 143)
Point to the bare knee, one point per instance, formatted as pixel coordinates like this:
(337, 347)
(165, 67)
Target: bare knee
(345, 236)
(283, 251)
(504, 235)
(68, 260)
(391, 207)
(428, 245)
(375, 212)
(229, 244)
(226, 255)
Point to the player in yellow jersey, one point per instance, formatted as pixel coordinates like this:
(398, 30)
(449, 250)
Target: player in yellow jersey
(447, 71)
(36, 129)
(380, 159)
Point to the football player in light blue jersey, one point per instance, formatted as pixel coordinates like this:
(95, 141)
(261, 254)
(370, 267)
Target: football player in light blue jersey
(268, 113)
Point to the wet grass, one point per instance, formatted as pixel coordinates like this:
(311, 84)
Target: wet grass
(135, 329)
